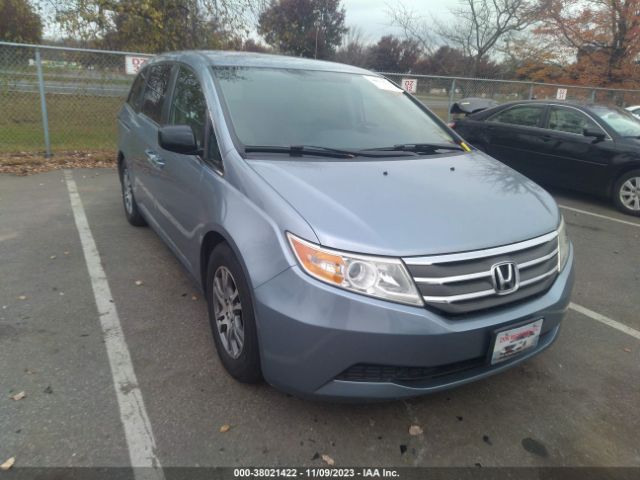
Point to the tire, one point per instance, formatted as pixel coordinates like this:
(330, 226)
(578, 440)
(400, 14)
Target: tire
(626, 193)
(235, 335)
(131, 211)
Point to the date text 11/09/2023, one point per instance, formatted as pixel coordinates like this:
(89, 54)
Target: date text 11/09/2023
(326, 472)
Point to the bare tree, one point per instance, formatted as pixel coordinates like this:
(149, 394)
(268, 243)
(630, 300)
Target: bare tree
(354, 49)
(413, 26)
(480, 25)
(476, 27)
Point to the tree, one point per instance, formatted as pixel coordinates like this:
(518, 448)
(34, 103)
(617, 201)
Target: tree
(154, 25)
(19, 22)
(354, 50)
(391, 54)
(481, 24)
(414, 26)
(305, 28)
(603, 34)
(478, 26)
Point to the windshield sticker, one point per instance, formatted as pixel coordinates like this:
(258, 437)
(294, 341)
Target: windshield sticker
(383, 84)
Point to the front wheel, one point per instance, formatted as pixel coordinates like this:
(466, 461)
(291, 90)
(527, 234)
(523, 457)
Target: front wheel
(231, 316)
(626, 193)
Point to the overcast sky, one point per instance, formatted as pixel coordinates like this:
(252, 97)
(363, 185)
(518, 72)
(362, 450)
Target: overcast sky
(371, 15)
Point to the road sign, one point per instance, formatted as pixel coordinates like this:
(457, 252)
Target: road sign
(410, 85)
(133, 64)
(561, 94)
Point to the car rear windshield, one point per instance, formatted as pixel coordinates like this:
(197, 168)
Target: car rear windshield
(620, 120)
(284, 107)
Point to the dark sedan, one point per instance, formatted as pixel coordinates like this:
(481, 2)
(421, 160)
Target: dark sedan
(588, 148)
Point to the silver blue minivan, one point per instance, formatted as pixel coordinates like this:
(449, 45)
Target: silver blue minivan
(349, 244)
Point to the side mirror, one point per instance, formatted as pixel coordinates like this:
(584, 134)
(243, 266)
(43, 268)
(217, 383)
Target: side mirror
(178, 139)
(595, 133)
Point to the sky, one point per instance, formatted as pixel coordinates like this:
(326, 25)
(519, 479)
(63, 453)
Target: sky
(371, 17)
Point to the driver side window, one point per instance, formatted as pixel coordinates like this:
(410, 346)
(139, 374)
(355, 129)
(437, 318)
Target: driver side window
(570, 121)
(188, 105)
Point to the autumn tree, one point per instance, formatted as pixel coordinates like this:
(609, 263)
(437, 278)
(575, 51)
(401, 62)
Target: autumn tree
(392, 54)
(304, 28)
(154, 25)
(604, 36)
(19, 22)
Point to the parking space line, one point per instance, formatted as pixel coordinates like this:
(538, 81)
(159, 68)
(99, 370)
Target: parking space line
(137, 427)
(606, 320)
(613, 219)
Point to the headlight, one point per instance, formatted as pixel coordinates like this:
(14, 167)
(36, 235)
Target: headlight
(379, 277)
(563, 245)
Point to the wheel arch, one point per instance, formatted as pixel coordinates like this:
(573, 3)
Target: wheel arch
(120, 163)
(210, 241)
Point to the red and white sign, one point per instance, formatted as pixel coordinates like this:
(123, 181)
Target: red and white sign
(561, 94)
(409, 85)
(133, 64)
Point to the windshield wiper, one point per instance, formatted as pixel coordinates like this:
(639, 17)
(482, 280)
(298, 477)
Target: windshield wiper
(420, 147)
(299, 150)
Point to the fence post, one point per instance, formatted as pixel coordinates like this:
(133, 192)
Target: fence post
(531, 92)
(452, 92)
(43, 106)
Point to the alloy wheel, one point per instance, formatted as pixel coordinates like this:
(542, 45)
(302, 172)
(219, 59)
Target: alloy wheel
(630, 193)
(228, 312)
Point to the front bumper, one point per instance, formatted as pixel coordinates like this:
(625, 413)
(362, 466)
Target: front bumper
(310, 333)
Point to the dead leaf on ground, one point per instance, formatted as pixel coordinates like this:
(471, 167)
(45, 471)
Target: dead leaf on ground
(22, 297)
(415, 430)
(193, 297)
(225, 428)
(138, 282)
(8, 464)
(328, 460)
(52, 257)
(66, 253)
(18, 396)
(628, 350)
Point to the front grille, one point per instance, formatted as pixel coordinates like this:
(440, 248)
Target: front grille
(462, 283)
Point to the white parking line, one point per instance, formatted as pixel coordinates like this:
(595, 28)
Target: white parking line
(606, 320)
(613, 219)
(137, 428)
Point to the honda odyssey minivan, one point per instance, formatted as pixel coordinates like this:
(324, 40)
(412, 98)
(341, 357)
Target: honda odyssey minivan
(349, 244)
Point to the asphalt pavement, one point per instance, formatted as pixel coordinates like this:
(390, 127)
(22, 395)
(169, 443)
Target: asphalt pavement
(574, 405)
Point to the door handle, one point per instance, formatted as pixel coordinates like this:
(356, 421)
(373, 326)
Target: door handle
(154, 159)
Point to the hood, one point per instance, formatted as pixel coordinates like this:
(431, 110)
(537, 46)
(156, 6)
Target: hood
(430, 205)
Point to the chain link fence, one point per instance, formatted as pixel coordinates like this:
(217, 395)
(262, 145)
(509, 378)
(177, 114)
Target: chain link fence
(61, 99)
(55, 100)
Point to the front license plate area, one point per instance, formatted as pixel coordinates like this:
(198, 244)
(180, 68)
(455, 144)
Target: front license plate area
(516, 340)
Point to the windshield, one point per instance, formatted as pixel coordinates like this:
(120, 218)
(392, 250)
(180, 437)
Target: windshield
(619, 120)
(280, 107)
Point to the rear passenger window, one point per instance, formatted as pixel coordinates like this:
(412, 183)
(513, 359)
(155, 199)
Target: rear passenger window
(525, 115)
(570, 121)
(135, 94)
(156, 91)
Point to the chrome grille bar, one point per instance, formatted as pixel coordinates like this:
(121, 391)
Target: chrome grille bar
(490, 252)
(477, 275)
